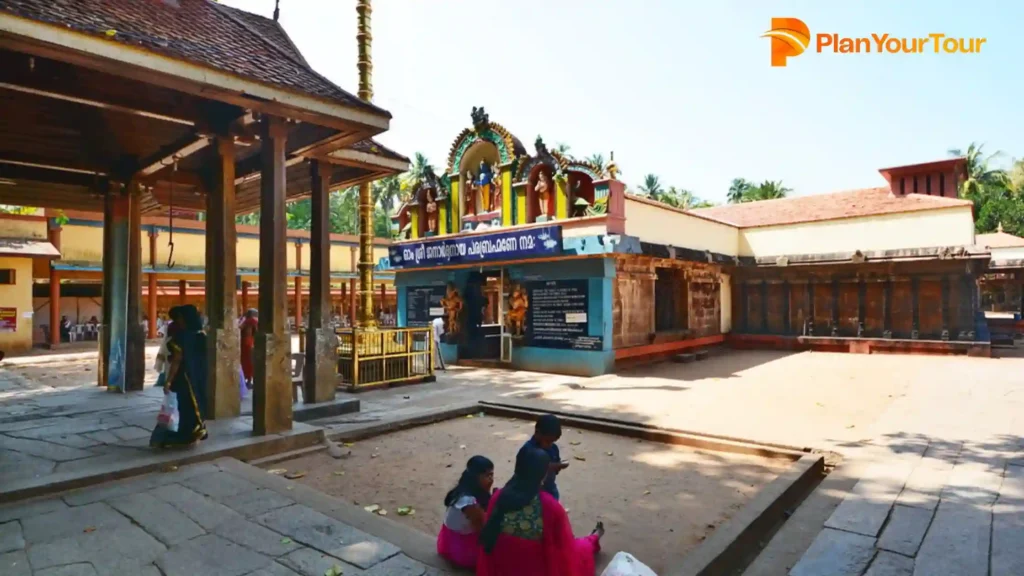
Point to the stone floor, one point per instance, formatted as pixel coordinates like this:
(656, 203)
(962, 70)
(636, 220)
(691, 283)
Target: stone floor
(218, 519)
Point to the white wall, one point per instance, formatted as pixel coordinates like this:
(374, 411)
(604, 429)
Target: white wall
(670, 227)
(925, 229)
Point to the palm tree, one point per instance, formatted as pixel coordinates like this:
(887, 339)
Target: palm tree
(738, 190)
(771, 190)
(597, 160)
(651, 186)
(980, 180)
(386, 193)
(1016, 178)
(411, 180)
(562, 148)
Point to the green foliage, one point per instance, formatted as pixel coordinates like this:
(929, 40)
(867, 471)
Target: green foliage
(998, 194)
(743, 190)
(671, 196)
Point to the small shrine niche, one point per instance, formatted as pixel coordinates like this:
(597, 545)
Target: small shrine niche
(428, 205)
(480, 179)
(581, 190)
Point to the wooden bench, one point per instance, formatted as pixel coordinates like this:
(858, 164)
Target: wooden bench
(298, 363)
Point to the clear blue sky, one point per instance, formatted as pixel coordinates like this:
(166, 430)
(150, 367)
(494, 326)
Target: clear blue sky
(682, 89)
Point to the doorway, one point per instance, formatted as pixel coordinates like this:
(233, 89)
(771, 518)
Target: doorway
(484, 318)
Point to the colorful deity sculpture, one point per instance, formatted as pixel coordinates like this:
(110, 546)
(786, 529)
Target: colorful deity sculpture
(518, 304)
(485, 185)
(452, 304)
(431, 209)
(543, 191)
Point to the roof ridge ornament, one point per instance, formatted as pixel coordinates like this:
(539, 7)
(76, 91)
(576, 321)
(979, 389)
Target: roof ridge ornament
(481, 121)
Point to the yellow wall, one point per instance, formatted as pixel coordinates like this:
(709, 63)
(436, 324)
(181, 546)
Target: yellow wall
(18, 296)
(248, 253)
(926, 229)
(18, 228)
(83, 243)
(725, 294)
(189, 249)
(674, 228)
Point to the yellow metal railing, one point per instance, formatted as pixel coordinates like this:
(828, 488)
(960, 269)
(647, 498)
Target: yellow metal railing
(384, 356)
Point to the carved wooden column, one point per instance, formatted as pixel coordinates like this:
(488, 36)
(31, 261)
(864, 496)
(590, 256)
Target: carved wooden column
(106, 313)
(862, 299)
(887, 309)
(182, 291)
(810, 306)
(135, 350)
(151, 290)
(915, 330)
(944, 284)
(352, 301)
(742, 308)
(320, 376)
(272, 397)
(834, 329)
(787, 324)
(297, 280)
(764, 306)
(222, 345)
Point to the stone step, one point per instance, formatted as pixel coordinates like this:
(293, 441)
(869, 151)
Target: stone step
(703, 354)
(685, 358)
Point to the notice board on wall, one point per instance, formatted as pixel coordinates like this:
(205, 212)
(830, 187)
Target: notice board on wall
(423, 304)
(557, 316)
(8, 319)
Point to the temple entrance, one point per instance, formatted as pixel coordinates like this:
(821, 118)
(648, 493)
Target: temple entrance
(484, 326)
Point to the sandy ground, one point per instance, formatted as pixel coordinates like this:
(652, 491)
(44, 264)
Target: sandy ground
(657, 501)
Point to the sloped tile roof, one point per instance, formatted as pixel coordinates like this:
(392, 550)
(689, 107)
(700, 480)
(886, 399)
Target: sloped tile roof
(818, 207)
(998, 240)
(199, 31)
(371, 146)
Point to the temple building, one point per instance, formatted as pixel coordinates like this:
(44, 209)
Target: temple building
(543, 262)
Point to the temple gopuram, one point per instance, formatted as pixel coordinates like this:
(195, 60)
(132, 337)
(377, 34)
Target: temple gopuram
(539, 261)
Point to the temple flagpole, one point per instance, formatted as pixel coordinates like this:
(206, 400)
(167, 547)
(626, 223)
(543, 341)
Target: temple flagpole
(366, 264)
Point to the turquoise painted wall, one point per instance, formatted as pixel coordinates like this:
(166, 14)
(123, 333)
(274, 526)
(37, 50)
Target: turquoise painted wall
(600, 273)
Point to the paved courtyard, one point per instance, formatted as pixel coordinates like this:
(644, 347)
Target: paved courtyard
(213, 519)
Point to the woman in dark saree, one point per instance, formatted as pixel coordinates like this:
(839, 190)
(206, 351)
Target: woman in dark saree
(186, 379)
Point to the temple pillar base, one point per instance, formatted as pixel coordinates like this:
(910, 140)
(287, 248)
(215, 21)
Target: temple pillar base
(272, 394)
(223, 392)
(320, 375)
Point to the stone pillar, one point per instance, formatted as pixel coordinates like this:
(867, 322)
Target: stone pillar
(272, 397)
(320, 375)
(222, 346)
(182, 291)
(135, 349)
(113, 367)
(54, 237)
(152, 285)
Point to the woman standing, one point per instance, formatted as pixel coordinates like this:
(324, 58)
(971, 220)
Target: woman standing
(186, 379)
(248, 328)
(528, 531)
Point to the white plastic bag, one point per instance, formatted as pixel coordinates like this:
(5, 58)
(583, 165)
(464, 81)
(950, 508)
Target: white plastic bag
(624, 564)
(168, 416)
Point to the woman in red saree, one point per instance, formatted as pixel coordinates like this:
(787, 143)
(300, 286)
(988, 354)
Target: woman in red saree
(528, 531)
(248, 328)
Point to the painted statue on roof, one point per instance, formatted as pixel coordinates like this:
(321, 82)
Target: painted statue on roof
(485, 186)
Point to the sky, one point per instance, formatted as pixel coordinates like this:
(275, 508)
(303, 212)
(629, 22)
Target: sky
(682, 89)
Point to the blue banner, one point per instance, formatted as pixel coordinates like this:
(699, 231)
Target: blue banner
(510, 245)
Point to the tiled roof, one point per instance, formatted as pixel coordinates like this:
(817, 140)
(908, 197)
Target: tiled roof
(198, 31)
(371, 146)
(998, 240)
(848, 204)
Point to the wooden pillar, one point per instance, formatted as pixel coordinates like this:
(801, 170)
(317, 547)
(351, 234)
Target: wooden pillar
(862, 310)
(151, 313)
(887, 309)
(344, 299)
(272, 396)
(320, 375)
(787, 324)
(743, 308)
(54, 237)
(298, 287)
(245, 296)
(383, 298)
(182, 291)
(971, 291)
(834, 330)
(352, 301)
(944, 283)
(914, 299)
(764, 306)
(222, 345)
(135, 349)
(810, 306)
(103, 364)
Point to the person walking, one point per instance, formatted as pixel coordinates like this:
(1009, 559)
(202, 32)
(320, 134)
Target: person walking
(437, 329)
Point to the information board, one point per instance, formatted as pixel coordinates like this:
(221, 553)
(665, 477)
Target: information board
(423, 304)
(473, 248)
(8, 319)
(557, 315)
